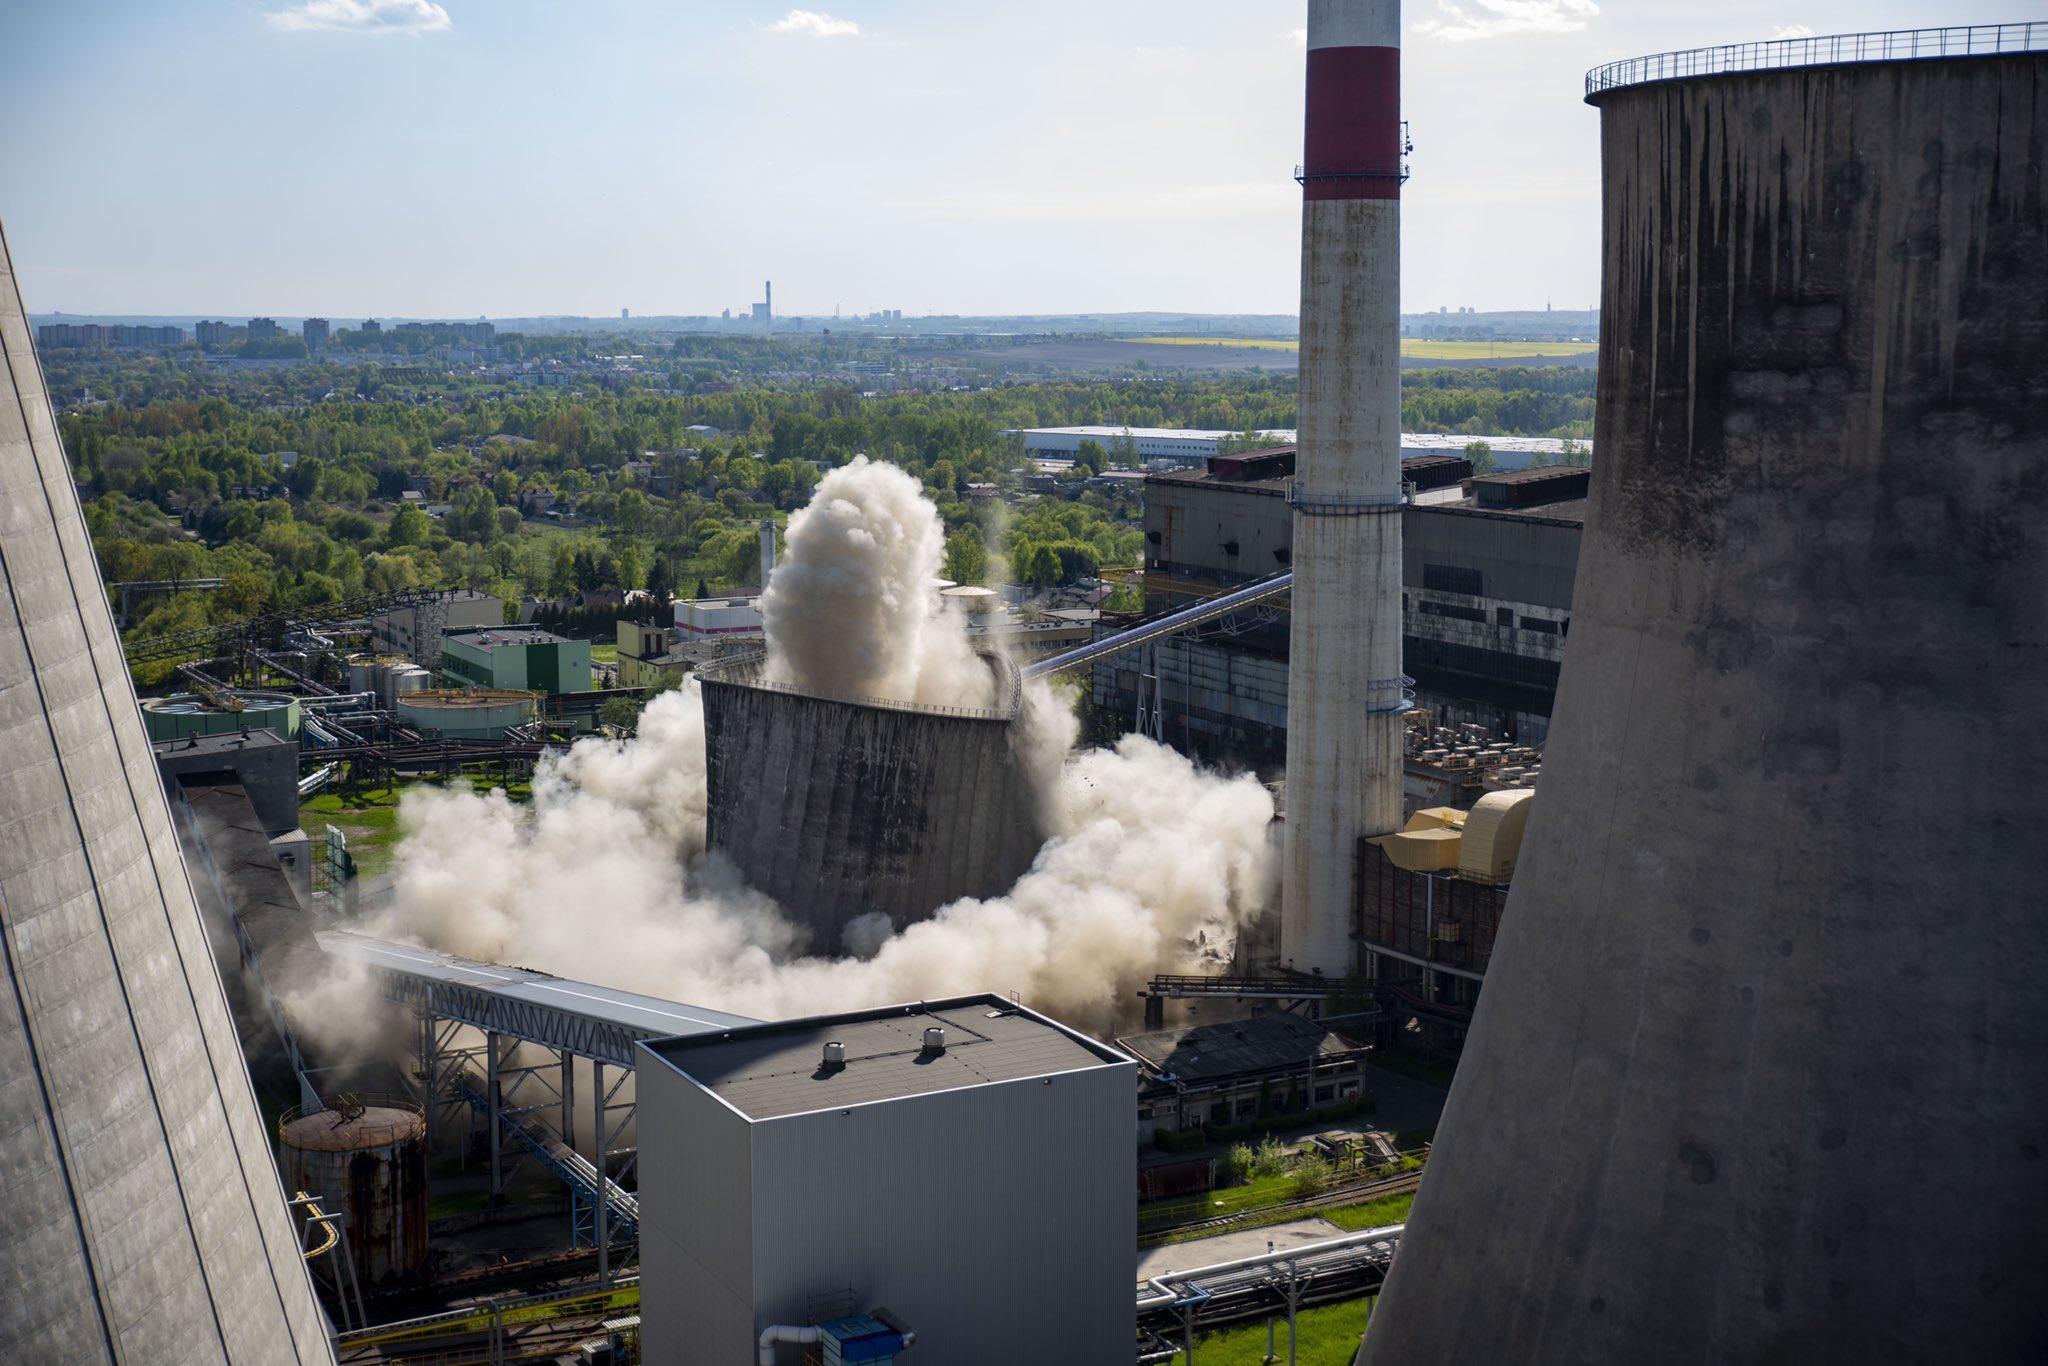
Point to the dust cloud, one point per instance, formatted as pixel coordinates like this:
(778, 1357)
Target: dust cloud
(850, 610)
(1151, 864)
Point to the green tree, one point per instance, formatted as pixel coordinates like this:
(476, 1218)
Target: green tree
(966, 556)
(1481, 456)
(409, 526)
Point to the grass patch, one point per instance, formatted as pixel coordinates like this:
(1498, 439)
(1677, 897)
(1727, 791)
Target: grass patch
(369, 817)
(1324, 1336)
(604, 654)
(1389, 1209)
(1254, 1194)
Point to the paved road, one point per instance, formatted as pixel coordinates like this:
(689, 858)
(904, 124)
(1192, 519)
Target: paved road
(1226, 1247)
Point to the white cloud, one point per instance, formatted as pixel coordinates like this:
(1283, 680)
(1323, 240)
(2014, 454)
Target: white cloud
(1498, 18)
(809, 23)
(362, 16)
(1299, 36)
(1792, 31)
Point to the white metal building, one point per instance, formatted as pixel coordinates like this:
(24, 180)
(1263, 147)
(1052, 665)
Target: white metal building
(966, 1164)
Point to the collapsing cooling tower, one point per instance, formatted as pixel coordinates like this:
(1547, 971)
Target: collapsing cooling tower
(140, 1215)
(842, 807)
(1760, 1071)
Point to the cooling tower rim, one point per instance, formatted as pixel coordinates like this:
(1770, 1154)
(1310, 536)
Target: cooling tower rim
(744, 671)
(1892, 47)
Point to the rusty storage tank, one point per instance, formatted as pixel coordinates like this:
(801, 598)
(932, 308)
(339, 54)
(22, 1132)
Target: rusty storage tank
(367, 1163)
(1757, 944)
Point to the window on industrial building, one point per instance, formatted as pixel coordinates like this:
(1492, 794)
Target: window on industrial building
(1538, 624)
(1284, 554)
(1503, 616)
(1453, 611)
(1230, 547)
(1453, 578)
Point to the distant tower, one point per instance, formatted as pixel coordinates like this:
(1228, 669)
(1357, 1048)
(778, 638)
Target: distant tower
(141, 1217)
(625, 313)
(1780, 908)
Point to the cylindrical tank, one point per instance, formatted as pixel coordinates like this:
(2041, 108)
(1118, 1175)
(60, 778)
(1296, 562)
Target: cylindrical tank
(367, 1164)
(1780, 915)
(1344, 684)
(467, 714)
(971, 599)
(362, 673)
(186, 714)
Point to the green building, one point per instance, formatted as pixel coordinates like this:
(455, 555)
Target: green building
(519, 657)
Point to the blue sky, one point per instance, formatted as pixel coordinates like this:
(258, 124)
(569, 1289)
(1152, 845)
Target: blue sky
(505, 157)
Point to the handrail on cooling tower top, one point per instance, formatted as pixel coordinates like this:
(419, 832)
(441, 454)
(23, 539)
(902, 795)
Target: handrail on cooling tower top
(1777, 54)
(1171, 624)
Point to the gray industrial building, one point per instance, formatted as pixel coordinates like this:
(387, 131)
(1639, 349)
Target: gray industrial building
(415, 630)
(141, 1217)
(1779, 917)
(965, 1164)
(1487, 569)
(842, 807)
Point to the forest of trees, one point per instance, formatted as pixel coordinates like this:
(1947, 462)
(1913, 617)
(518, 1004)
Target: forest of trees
(293, 488)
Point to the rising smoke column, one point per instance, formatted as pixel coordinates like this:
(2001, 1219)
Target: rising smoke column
(851, 609)
(1151, 864)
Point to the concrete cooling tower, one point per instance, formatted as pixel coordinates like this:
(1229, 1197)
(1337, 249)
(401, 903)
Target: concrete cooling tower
(141, 1218)
(838, 807)
(1760, 1071)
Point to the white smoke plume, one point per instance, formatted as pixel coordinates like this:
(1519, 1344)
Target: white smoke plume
(1151, 864)
(850, 610)
(604, 878)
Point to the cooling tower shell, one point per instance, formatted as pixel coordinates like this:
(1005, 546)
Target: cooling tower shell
(839, 807)
(1760, 1070)
(141, 1217)
(371, 1169)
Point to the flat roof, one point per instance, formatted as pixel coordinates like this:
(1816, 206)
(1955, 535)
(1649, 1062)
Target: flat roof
(1106, 434)
(494, 637)
(772, 1070)
(1571, 511)
(1263, 1043)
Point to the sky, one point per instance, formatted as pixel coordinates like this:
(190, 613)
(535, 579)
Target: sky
(459, 158)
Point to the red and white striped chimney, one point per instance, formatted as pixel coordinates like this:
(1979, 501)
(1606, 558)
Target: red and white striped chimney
(1344, 696)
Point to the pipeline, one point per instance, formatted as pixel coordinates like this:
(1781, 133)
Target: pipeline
(1173, 623)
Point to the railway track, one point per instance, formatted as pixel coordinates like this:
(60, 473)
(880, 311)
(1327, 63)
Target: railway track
(1357, 1193)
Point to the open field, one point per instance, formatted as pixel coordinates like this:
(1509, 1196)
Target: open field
(1064, 356)
(1236, 343)
(1411, 348)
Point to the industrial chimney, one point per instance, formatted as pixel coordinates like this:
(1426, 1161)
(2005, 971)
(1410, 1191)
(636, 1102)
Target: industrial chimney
(1345, 687)
(1781, 908)
(767, 552)
(141, 1217)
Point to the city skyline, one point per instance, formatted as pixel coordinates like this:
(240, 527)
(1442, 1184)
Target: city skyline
(415, 158)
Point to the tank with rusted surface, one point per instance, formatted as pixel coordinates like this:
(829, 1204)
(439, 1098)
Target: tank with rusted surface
(365, 1161)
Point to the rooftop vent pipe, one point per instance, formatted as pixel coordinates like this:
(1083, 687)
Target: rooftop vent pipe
(934, 1039)
(835, 1056)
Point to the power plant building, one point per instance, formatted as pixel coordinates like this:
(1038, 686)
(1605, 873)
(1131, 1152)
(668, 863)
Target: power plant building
(845, 807)
(1779, 915)
(529, 658)
(142, 1214)
(1486, 595)
(966, 1165)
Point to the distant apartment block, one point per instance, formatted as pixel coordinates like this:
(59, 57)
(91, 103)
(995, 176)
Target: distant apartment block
(53, 335)
(264, 329)
(314, 331)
